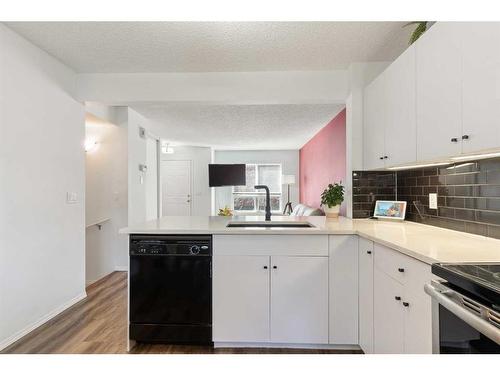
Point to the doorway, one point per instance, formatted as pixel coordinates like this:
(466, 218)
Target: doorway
(176, 187)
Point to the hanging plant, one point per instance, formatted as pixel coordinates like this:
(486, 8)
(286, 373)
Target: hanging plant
(421, 28)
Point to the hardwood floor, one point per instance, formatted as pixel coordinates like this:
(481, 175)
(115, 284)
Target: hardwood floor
(98, 325)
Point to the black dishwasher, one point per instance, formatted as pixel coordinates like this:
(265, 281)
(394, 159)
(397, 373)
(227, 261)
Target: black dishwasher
(170, 289)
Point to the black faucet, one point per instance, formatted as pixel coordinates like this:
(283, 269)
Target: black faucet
(268, 201)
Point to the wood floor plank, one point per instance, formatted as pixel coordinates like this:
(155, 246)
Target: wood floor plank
(98, 325)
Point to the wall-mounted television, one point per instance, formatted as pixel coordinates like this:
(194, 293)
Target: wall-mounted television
(226, 175)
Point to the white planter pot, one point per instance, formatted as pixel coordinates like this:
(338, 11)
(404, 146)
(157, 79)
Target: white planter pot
(332, 212)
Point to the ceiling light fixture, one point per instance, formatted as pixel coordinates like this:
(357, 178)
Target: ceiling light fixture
(166, 149)
(475, 157)
(419, 166)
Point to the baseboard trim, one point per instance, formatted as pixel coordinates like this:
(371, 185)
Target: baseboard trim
(284, 345)
(20, 334)
(121, 268)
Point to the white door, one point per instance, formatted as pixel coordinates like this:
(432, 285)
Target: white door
(374, 120)
(299, 300)
(240, 298)
(366, 253)
(401, 127)
(151, 179)
(388, 314)
(439, 92)
(176, 187)
(481, 85)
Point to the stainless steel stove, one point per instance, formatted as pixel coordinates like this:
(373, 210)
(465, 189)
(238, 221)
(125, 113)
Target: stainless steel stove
(466, 308)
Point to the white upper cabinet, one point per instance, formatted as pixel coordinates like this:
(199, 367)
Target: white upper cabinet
(439, 92)
(401, 128)
(374, 119)
(481, 85)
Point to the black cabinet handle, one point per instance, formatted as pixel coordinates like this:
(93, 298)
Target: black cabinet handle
(397, 298)
(465, 137)
(275, 267)
(381, 158)
(265, 267)
(401, 270)
(406, 304)
(454, 140)
(368, 252)
(386, 157)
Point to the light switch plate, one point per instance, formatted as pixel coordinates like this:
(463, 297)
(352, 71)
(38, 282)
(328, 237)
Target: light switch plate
(433, 201)
(71, 197)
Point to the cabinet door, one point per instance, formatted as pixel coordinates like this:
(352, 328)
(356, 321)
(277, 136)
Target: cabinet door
(418, 313)
(241, 298)
(388, 315)
(343, 267)
(374, 119)
(401, 126)
(366, 295)
(299, 300)
(439, 92)
(481, 85)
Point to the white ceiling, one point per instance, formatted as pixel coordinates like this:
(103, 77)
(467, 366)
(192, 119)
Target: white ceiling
(122, 47)
(250, 127)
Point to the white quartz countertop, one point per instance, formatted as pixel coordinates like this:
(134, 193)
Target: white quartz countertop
(424, 242)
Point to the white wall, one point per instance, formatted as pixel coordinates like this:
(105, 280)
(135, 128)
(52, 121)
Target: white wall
(289, 159)
(136, 155)
(42, 252)
(106, 197)
(200, 158)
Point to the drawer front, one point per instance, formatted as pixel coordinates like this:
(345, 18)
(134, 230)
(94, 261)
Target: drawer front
(272, 244)
(391, 262)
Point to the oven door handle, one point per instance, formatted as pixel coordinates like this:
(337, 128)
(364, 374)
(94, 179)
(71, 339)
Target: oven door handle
(468, 317)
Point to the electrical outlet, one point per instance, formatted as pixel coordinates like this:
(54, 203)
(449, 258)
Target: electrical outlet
(433, 201)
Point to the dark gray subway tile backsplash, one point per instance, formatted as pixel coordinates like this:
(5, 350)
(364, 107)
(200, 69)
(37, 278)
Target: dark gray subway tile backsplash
(468, 195)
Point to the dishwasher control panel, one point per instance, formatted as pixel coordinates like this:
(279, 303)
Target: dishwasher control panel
(170, 245)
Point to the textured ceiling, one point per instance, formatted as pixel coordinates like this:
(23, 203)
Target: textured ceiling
(248, 127)
(122, 47)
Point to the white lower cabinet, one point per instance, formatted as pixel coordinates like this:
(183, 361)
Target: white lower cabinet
(343, 259)
(299, 300)
(241, 298)
(388, 314)
(402, 310)
(365, 256)
(274, 298)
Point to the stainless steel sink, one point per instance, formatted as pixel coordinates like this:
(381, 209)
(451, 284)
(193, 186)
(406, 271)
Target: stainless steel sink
(270, 224)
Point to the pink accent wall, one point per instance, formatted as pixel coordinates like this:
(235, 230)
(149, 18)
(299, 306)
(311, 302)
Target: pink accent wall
(322, 160)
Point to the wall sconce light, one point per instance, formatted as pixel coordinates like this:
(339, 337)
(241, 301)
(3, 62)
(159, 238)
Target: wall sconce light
(90, 145)
(166, 149)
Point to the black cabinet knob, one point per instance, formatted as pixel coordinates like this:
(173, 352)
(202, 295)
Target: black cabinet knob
(406, 304)
(397, 298)
(275, 267)
(454, 140)
(401, 270)
(465, 137)
(368, 252)
(265, 267)
(381, 158)
(386, 157)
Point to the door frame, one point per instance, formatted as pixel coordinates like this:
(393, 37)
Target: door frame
(160, 192)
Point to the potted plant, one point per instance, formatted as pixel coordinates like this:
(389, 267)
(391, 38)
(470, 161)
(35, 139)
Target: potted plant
(331, 198)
